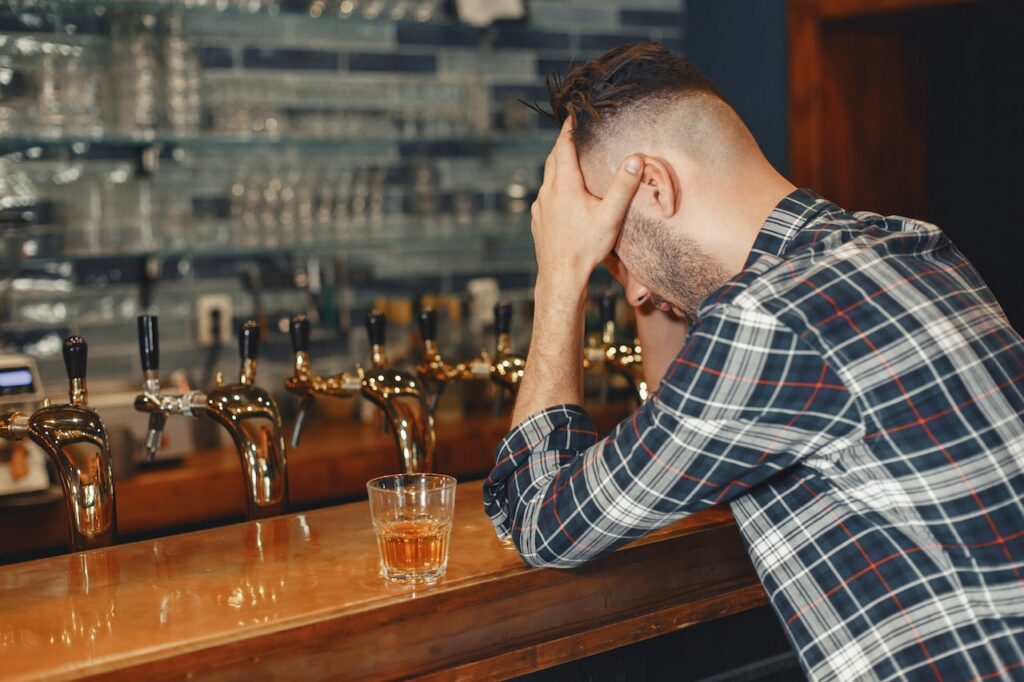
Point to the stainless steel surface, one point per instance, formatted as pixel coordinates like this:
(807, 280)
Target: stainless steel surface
(73, 436)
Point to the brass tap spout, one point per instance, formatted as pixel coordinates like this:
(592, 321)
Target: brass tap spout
(249, 414)
(307, 385)
(626, 360)
(399, 395)
(75, 440)
(434, 372)
(507, 368)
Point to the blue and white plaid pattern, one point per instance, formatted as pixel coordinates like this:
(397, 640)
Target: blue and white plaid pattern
(856, 394)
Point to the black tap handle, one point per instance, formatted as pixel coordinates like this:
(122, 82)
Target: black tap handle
(249, 340)
(376, 327)
(149, 342)
(76, 352)
(428, 324)
(300, 333)
(607, 305)
(503, 318)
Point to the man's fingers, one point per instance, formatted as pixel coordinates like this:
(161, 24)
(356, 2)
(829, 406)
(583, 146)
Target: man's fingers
(567, 161)
(622, 189)
(549, 167)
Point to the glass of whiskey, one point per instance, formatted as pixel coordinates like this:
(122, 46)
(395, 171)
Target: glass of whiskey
(412, 518)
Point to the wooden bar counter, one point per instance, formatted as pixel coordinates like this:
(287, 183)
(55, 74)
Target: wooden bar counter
(299, 596)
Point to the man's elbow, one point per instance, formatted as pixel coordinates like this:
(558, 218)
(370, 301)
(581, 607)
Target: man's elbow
(537, 553)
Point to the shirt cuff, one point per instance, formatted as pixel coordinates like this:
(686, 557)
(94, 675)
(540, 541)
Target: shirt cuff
(531, 452)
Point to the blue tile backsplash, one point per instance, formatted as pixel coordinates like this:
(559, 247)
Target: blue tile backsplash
(268, 58)
(346, 160)
(394, 63)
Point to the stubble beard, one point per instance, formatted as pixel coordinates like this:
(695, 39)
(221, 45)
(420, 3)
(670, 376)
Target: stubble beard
(673, 266)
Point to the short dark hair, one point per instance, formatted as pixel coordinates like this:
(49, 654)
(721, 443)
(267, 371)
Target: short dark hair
(620, 78)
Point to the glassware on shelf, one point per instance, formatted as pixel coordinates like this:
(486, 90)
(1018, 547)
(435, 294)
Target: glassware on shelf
(48, 88)
(180, 78)
(305, 206)
(83, 95)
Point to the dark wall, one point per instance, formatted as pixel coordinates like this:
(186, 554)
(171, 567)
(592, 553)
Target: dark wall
(741, 46)
(974, 138)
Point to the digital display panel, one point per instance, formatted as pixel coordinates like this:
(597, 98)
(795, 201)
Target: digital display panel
(16, 381)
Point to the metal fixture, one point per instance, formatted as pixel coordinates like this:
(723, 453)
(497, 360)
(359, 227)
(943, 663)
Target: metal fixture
(75, 440)
(626, 360)
(434, 372)
(507, 368)
(248, 413)
(399, 395)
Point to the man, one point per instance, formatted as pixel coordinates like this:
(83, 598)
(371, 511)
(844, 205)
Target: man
(847, 383)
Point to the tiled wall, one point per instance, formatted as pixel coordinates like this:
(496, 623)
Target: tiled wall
(340, 160)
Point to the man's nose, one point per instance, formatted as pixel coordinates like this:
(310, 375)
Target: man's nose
(636, 294)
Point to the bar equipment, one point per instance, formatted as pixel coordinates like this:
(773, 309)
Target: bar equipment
(22, 463)
(507, 368)
(434, 372)
(626, 360)
(249, 414)
(399, 395)
(74, 438)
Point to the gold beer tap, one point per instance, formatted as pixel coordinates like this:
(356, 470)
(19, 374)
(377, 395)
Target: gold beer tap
(434, 372)
(75, 440)
(507, 368)
(399, 395)
(625, 360)
(249, 414)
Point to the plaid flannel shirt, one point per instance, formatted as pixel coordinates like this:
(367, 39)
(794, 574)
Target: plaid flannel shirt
(856, 394)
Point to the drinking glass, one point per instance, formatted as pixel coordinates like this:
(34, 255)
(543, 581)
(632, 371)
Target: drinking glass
(412, 518)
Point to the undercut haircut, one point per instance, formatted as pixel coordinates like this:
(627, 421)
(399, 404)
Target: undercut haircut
(625, 78)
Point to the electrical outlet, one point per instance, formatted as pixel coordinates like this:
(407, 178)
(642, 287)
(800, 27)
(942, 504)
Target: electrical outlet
(213, 309)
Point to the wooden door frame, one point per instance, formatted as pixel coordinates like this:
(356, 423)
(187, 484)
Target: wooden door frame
(805, 19)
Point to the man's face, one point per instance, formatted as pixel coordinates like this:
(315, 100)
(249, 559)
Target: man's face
(655, 259)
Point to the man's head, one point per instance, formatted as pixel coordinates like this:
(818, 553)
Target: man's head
(676, 243)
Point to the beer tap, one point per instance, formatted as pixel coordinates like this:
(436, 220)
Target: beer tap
(75, 440)
(506, 368)
(248, 413)
(398, 394)
(624, 359)
(434, 372)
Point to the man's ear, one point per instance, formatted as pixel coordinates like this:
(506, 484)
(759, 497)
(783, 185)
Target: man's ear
(659, 178)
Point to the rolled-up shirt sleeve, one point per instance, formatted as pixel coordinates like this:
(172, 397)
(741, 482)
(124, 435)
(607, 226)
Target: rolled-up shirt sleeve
(745, 399)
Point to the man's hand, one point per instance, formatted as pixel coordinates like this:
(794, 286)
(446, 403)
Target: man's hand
(573, 231)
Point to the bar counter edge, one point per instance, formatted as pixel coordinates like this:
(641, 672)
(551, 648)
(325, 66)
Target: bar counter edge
(301, 594)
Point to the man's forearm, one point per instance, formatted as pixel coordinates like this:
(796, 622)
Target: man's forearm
(554, 369)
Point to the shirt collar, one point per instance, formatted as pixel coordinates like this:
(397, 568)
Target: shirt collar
(796, 210)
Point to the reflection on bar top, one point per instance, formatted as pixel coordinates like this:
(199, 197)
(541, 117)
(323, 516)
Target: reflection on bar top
(65, 613)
